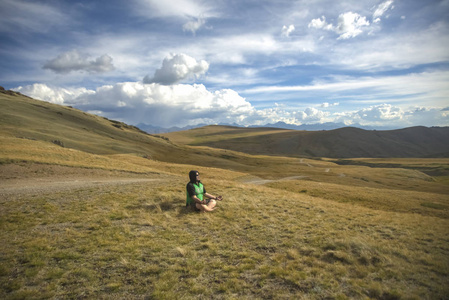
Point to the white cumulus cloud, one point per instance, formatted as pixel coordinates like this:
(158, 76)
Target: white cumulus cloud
(53, 94)
(176, 68)
(76, 61)
(311, 115)
(320, 23)
(381, 112)
(349, 25)
(156, 104)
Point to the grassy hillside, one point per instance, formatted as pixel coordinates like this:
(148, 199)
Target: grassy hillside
(288, 228)
(22, 117)
(338, 143)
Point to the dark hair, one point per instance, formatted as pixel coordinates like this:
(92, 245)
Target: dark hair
(192, 176)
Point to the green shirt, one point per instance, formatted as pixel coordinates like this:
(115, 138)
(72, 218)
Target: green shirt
(194, 189)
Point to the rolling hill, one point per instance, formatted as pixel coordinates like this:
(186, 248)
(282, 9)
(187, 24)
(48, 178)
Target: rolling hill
(32, 119)
(339, 143)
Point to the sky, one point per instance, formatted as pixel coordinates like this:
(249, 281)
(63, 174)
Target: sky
(247, 62)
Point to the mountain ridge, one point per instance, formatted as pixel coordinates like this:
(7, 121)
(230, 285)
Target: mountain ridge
(282, 125)
(347, 142)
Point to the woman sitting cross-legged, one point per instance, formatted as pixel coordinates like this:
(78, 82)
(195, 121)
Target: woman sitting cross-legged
(197, 197)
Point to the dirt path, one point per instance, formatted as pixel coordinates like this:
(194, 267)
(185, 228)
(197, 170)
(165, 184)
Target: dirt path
(37, 178)
(306, 163)
(49, 185)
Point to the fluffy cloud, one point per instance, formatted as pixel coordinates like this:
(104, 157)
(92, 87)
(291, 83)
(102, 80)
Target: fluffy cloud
(320, 23)
(166, 106)
(53, 95)
(287, 30)
(311, 115)
(350, 25)
(176, 68)
(76, 61)
(384, 112)
(155, 104)
(380, 115)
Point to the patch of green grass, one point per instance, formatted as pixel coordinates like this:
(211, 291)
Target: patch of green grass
(434, 205)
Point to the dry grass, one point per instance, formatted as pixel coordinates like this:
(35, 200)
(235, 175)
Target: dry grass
(390, 200)
(214, 133)
(139, 241)
(314, 230)
(276, 242)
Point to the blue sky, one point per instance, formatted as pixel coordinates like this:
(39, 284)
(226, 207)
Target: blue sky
(184, 62)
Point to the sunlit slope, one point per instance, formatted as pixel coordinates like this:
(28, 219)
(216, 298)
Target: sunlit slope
(23, 117)
(340, 143)
(216, 133)
(30, 126)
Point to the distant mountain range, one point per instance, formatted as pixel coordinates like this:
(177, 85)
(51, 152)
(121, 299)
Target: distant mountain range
(310, 127)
